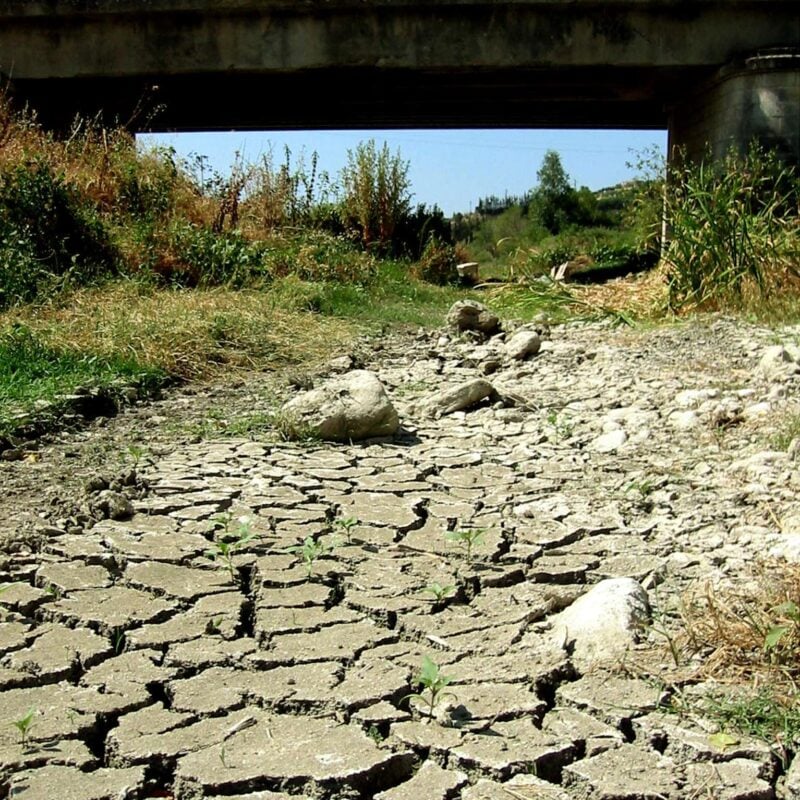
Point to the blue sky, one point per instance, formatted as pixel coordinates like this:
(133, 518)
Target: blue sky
(450, 168)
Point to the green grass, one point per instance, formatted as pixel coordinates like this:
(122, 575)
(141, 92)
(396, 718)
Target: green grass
(761, 714)
(33, 373)
(392, 298)
(789, 429)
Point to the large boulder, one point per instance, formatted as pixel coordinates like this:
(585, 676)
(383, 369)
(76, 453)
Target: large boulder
(469, 315)
(350, 407)
(603, 624)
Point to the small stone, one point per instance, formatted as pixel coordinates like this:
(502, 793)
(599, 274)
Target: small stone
(778, 362)
(469, 315)
(609, 442)
(458, 398)
(115, 505)
(522, 345)
(97, 483)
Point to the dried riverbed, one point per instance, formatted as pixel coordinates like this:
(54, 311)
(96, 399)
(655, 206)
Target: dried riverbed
(154, 670)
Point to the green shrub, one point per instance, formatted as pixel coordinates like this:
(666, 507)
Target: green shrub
(313, 255)
(215, 258)
(438, 263)
(48, 237)
(147, 185)
(375, 193)
(733, 229)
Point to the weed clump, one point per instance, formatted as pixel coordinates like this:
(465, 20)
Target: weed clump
(733, 237)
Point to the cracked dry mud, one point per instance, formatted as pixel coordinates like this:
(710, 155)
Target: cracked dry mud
(155, 672)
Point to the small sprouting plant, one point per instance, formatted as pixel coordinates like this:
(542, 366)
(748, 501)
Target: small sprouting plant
(346, 524)
(468, 538)
(289, 427)
(119, 640)
(53, 591)
(438, 591)
(224, 549)
(135, 453)
(24, 725)
(786, 627)
(562, 426)
(374, 733)
(309, 552)
(213, 626)
(433, 684)
(643, 487)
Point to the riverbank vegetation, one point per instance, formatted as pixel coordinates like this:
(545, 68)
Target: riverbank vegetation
(121, 265)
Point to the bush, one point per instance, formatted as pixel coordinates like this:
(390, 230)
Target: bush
(376, 196)
(48, 237)
(733, 230)
(205, 258)
(438, 263)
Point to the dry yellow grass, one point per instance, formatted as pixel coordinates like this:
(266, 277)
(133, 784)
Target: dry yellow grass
(191, 334)
(644, 295)
(730, 627)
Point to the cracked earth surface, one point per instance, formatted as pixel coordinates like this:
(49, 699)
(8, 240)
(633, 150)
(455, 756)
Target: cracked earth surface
(154, 670)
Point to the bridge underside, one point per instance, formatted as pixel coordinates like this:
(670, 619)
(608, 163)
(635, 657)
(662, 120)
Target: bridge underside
(604, 97)
(715, 72)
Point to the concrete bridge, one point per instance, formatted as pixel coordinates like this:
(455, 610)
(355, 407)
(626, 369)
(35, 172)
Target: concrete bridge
(717, 71)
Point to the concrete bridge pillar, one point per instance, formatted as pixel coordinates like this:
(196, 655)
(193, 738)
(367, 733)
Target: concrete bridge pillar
(757, 98)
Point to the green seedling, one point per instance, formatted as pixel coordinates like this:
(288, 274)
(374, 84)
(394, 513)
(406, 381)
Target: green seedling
(789, 615)
(562, 426)
(135, 452)
(309, 552)
(53, 591)
(345, 525)
(468, 538)
(213, 626)
(24, 725)
(119, 640)
(438, 591)
(224, 549)
(433, 684)
(643, 487)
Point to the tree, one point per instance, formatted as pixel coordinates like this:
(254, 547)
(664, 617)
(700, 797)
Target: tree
(553, 201)
(376, 193)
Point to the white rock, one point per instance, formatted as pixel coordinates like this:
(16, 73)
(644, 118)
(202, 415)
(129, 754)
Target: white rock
(609, 442)
(353, 407)
(757, 410)
(458, 398)
(469, 315)
(791, 783)
(778, 362)
(691, 398)
(787, 547)
(603, 624)
(684, 420)
(611, 425)
(468, 271)
(523, 344)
